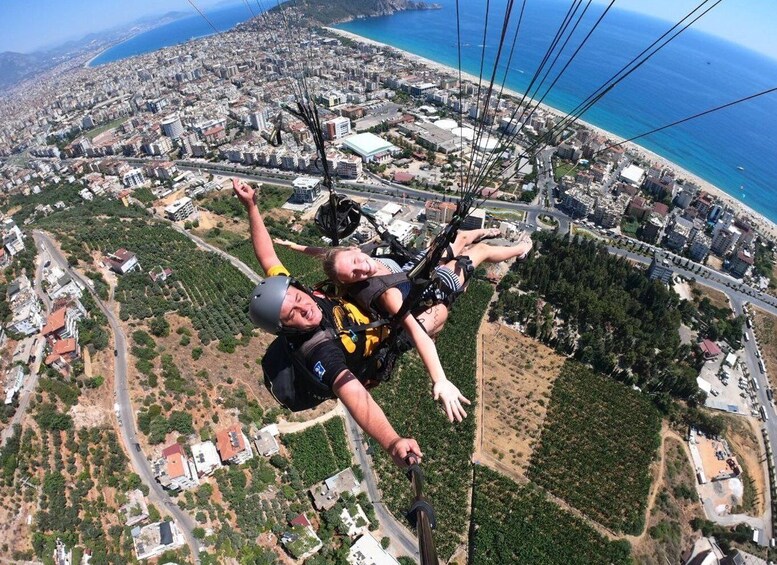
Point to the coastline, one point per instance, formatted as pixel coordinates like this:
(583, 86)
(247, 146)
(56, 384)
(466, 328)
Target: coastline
(88, 64)
(759, 221)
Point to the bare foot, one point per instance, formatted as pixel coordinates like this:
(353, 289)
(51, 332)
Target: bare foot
(488, 233)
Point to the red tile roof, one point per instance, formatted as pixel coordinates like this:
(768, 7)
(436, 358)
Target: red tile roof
(175, 465)
(64, 346)
(55, 322)
(709, 348)
(229, 442)
(300, 520)
(171, 449)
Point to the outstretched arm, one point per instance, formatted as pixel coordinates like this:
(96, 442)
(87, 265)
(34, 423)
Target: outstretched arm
(306, 249)
(371, 418)
(445, 391)
(260, 238)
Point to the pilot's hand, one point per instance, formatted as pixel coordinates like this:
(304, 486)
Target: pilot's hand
(244, 192)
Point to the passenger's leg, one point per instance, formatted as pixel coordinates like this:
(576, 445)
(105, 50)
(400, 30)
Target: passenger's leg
(468, 237)
(480, 253)
(433, 319)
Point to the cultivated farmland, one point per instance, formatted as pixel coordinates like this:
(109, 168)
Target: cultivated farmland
(595, 453)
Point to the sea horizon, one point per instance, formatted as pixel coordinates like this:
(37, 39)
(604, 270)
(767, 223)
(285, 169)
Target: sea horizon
(178, 31)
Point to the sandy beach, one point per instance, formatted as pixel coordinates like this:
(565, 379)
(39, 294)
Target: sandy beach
(761, 223)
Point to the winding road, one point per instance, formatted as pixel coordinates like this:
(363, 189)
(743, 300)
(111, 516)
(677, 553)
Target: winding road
(124, 412)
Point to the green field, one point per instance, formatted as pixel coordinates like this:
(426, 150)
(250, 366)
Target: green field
(320, 451)
(596, 448)
(203, 287)
(518, 524)
(447, 448)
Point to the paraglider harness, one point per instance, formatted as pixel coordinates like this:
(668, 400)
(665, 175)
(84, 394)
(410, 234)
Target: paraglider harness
(366, 293)
(286, 364)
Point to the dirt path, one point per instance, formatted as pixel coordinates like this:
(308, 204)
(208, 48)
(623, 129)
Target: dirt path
(658, 481)
(292, 427)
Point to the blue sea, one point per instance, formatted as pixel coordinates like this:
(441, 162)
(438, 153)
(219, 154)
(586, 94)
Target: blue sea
(178, 31)
(695, 72)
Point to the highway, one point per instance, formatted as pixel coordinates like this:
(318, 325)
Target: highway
(358, 188)
(124, 412)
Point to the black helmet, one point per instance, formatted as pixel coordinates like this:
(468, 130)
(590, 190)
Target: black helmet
(266, 301)
(343, 222)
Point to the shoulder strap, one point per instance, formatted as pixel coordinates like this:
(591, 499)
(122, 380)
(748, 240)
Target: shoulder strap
(318, 338)
(366, 292)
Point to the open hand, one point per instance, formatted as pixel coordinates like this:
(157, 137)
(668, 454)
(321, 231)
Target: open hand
(244, 192)
(284, 242)
(451, 399)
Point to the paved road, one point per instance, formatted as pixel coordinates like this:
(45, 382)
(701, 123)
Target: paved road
(125, 413)
(733, 288)
(359, 188)
(403, 540)
(738, 298)
(31, 382)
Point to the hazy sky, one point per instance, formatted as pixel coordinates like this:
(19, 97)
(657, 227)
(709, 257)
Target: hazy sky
(27, 25)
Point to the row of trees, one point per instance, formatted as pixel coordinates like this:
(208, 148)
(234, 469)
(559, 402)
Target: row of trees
(518, 524)
(407, 400)
(203, 287)
(604, 312)
(596, 447)
(319, 452)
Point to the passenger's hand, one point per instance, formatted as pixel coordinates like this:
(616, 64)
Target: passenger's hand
(284, 243)
(451, 399)
(244, 193)
(401, 448)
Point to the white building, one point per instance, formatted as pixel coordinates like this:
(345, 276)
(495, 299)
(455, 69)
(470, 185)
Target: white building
(206, 458)
(367, 551)
(725, 240)
(402, 230)
(156, 538)
(258, 121)
(349, 167)
(180, 209)
(122, 262)
(370, 147)
(306, 189)
(632, 175)
(13, 239)
(14, 381)
(265, 442)
(133, 178)
(337, 127)
(172, 126)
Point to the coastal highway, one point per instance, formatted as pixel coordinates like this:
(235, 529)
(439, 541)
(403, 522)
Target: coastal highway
(358, 188)
(124, 411)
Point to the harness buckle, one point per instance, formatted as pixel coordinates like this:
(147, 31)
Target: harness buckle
(354, 337)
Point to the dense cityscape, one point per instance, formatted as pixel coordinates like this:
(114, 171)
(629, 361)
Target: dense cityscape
(135, 422)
